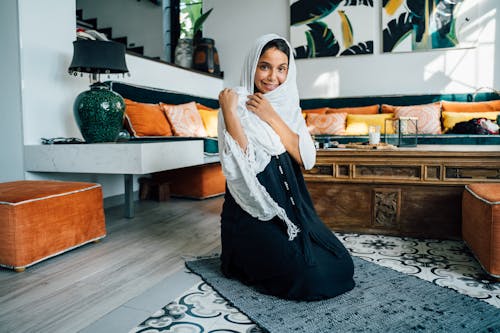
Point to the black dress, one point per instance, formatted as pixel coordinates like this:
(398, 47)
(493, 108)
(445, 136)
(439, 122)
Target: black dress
(315, 265)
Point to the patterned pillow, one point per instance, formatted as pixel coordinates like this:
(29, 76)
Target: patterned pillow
(333, 124)
(143, 119)
(370, 109)
(429, 116)
(185, 119)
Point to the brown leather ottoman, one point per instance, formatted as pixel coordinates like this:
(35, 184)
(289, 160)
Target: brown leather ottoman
(481, 224)
(40, 219)
(199, 182)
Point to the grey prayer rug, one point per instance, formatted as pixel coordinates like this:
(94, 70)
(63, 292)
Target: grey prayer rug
(382, 301)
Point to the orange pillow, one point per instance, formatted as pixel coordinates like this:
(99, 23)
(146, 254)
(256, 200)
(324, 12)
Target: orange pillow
(487, 106)
(370, 109)
(428, 116)
(315, 111)
(185, 119)
(200, 106)
(386, 108)
(326, 123)
(318, 110)
(144, 119)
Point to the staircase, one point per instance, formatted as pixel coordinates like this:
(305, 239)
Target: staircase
(108, 31)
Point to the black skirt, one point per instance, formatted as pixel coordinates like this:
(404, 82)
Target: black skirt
(315, 265)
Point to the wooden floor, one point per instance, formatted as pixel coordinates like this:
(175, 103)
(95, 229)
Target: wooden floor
(70, 291)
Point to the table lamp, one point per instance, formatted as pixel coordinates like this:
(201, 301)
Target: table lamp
(99, 111)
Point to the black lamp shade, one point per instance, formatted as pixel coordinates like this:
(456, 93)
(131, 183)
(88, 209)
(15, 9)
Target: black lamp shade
(99, 57)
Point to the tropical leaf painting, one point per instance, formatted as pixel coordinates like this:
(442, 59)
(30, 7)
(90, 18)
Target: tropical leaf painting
(419, 25)
(331, 28)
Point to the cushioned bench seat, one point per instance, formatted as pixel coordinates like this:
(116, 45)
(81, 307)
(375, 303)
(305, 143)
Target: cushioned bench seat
(423, 139)
(40, 219)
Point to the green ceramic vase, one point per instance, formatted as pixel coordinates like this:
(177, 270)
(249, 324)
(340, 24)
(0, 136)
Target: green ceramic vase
(99, 114)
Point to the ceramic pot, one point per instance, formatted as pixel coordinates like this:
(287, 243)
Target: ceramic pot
(99, 114)
(206, 57)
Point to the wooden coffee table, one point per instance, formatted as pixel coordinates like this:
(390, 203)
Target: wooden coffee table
(405, 191)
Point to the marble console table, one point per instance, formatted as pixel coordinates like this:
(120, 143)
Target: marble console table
(127, 159)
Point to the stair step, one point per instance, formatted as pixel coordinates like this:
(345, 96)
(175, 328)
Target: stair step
(137, 49)
(121, 40)
(107, 31)
(83, 25)
(92, 22)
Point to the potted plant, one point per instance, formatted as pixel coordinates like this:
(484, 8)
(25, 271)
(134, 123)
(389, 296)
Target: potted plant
(205, 56)
(192, 20)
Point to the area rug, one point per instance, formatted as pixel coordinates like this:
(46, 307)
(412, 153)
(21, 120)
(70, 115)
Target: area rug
(382, 301)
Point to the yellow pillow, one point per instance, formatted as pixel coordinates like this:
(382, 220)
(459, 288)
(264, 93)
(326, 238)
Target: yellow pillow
(209, 118)
(450, 119)
(357, 124)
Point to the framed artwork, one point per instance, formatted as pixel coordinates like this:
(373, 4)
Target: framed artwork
(421, 25)
(331, 28)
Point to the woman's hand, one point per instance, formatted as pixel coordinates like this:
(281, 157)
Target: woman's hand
(228, 100)
(259, 105)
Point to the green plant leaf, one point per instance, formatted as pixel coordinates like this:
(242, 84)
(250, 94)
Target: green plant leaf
(308, 11)
(311, 47)
(199, 22)
(397, 30)
(321, 42)
(368, 3)
(360, 48)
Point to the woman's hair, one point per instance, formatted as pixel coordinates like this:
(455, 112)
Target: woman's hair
(278, 43)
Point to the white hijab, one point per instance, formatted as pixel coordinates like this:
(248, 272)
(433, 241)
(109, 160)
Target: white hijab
(241, 167)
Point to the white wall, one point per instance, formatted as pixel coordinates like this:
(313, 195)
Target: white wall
(43, 107)
(11, 140)
(140, 21)
(48, 91)
(236, 24)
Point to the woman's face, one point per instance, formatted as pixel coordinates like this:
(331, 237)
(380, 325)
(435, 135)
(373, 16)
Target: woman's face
(271, 71)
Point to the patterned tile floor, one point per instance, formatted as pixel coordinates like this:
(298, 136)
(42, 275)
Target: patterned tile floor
(446, 263)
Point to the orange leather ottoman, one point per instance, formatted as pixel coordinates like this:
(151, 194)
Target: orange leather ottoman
(40, 219)
(481, 224)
